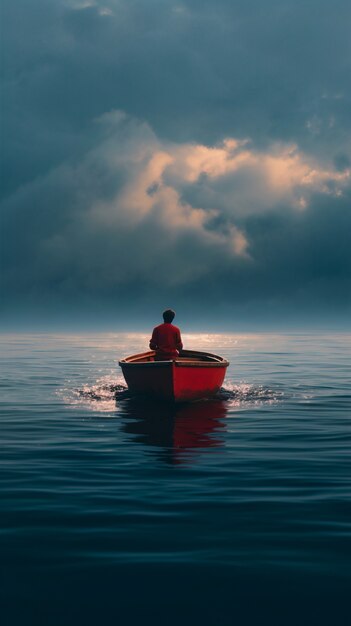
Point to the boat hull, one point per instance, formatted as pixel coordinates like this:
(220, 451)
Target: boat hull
(180, 380)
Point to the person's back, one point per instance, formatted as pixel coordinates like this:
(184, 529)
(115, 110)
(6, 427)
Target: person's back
(166, 339)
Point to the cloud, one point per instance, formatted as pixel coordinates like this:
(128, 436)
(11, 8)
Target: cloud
(116, 220)
(281, 173)
(195, 149)
(78, 225)
(191, 72)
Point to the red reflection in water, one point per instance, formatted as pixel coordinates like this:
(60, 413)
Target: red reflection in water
(176, 430)
(195, 423)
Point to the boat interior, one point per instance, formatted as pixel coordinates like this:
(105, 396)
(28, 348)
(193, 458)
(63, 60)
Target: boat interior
(187, 356)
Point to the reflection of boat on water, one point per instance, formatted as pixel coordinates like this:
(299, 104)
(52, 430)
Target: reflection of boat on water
(191, 376)
(175, 430)
(196, 425)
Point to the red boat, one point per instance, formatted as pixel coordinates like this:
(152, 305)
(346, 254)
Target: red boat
(191, 376)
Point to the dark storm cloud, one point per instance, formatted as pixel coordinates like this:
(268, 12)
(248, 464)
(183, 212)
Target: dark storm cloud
(116, 179)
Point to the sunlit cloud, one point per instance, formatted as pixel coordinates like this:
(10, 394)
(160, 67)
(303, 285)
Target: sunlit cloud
(146, 203)
(282, 172)
(151, 198)
(191, 161)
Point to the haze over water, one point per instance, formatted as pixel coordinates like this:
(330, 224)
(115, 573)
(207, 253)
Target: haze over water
(233, 510)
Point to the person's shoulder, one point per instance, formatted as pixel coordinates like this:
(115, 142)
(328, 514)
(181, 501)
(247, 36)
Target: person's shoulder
(159, 326)
(175, 328)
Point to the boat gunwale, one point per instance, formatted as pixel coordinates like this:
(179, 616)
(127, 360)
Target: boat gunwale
(192, 362)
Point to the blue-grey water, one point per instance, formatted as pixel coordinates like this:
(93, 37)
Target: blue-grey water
(231, 511)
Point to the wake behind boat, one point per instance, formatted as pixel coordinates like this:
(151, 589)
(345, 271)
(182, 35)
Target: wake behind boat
(190, 376)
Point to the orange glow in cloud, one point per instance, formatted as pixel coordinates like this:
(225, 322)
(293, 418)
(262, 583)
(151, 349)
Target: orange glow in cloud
(157, 172)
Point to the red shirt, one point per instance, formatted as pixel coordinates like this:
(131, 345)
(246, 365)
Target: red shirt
(166, 340)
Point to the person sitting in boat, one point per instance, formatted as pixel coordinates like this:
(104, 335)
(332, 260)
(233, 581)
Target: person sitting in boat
(166, 339)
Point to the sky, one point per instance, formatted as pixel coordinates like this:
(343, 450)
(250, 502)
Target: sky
(193, 155)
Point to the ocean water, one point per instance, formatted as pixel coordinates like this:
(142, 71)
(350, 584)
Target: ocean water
(235, 510)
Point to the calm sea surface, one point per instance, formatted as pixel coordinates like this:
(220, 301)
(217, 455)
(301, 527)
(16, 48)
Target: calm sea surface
(231, 511)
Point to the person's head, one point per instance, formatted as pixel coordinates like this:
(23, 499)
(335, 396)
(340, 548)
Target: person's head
(168, 316)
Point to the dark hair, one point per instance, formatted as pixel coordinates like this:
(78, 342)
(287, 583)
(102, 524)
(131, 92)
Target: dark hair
(168, 316)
